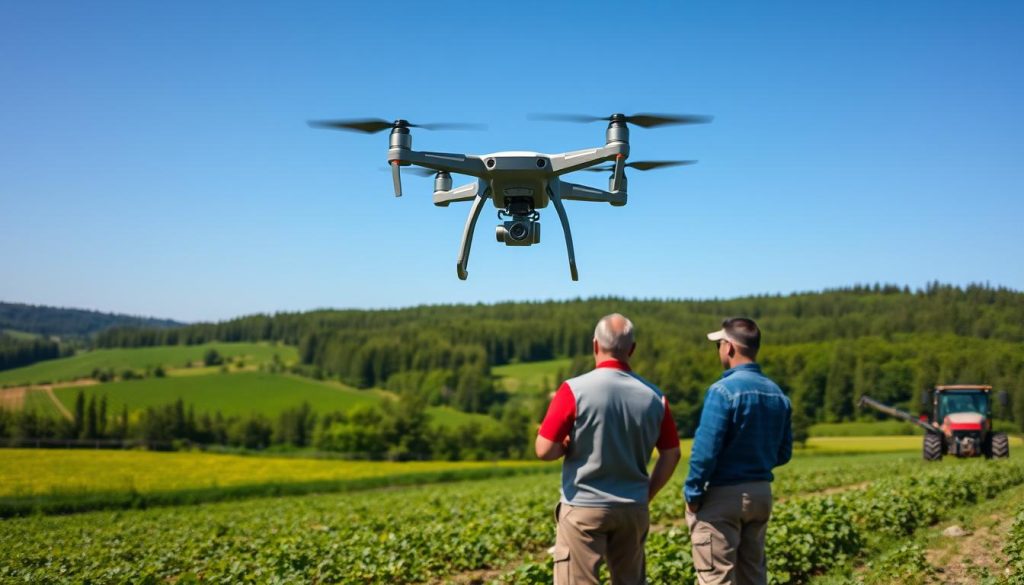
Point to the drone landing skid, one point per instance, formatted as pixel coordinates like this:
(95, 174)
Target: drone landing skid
(556, 200)
(467, 233)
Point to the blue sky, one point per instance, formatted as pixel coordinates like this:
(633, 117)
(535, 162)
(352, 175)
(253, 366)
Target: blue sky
(154, 159)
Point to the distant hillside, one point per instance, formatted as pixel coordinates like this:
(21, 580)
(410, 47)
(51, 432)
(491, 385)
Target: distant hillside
(825, 348)
(54, 321)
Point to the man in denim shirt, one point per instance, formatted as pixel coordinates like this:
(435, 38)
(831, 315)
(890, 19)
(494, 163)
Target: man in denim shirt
(744, 433)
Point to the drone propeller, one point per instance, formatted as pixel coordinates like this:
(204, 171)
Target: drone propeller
(641, 120)
(374, 125)
(643, 165)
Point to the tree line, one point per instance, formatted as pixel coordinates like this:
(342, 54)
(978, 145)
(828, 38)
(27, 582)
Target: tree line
(15, 353)
(395, 430)
(825, 348)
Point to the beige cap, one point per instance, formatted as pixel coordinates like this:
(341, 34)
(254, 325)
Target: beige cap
(723, 334)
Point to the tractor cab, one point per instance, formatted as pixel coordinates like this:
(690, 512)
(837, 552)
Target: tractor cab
(952, 399)
(963, 413)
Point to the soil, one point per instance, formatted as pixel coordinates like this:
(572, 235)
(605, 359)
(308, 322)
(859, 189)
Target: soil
(962, 560)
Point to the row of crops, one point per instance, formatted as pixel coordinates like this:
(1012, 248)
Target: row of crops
(1014, 550)
(431, 533)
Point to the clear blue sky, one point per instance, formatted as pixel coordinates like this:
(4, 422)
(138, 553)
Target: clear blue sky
(154, 158)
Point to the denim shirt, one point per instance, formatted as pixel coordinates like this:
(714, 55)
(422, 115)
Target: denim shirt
(744, 432)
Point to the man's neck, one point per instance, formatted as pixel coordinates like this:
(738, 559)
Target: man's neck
(606, 357)
(739, 361)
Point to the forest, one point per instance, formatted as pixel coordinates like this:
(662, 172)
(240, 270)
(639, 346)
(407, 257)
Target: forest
(824, 348)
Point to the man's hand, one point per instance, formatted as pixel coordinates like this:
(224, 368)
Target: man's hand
(692, 507)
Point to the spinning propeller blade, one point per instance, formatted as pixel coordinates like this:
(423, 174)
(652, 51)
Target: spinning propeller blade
(643, 165)
(374, 125)
(641, 120)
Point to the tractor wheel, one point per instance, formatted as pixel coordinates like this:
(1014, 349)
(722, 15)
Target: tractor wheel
(932, 447)
(1000, 445)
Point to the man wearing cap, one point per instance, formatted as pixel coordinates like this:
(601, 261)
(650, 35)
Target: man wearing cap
(606, 423)
(744, 432)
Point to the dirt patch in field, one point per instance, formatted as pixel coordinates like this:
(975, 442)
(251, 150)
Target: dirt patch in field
(965, 559)
(12, 398)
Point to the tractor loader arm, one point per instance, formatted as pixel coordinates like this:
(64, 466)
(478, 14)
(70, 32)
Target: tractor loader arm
(897, 413)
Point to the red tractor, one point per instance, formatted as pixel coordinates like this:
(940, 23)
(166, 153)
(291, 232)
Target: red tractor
(960, 424)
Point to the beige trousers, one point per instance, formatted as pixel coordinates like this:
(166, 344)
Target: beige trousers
(727, 533)
(588, 536)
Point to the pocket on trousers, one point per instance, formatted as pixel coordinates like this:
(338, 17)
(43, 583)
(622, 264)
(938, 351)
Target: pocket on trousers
(562, 565)
(703, 555)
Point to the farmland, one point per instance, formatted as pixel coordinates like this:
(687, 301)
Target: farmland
(59, 480)
(237, 393)
(496, 529)
(138, 359)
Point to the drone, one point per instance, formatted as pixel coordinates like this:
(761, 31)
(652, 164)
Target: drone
(519, 183)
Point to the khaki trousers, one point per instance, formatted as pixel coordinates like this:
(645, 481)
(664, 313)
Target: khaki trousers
(588, 536)
(727, 533)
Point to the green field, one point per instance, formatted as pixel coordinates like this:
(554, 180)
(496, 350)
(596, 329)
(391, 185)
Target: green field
(242, 393)
(118, 360)
(531, 376)
(20, 335)
(231, 394)
(66, 480)
(831, 510)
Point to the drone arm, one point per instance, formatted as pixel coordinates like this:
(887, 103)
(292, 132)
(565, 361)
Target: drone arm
(581, 159)
(556, 200)
(463, 193)
(439, 161)
(574, 192)
(467, 233)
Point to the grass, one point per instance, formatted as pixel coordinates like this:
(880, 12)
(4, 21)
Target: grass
(20, 335)
(531, 376)
(138, 359)
(864, 429)
(449, 417)
(242, 393)
(231, 394)
(60, 481)
(852, 445)
(38, 401)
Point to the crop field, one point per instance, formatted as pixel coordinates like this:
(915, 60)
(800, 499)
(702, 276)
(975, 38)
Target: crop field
(138, 359)
(830, 510)
(531, 376)
(65, 480)
(236, 393)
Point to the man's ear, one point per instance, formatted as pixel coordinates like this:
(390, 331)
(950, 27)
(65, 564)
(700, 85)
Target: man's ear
(631, 350)
(596, 348)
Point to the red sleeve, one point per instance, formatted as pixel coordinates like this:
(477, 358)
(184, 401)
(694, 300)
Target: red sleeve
(561, 414)
(669, 438)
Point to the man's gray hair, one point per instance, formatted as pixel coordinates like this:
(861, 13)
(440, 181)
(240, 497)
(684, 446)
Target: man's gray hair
(614, 334)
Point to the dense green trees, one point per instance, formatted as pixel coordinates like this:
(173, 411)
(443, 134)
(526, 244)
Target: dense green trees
(15, 353)
(66, 323)
(395, 430)
(825, 348)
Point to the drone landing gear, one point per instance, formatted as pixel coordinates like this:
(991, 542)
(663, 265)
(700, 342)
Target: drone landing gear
(556, 200)
(467, 233)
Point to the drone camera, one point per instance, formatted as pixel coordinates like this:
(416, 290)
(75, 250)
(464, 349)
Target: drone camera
(518, 232)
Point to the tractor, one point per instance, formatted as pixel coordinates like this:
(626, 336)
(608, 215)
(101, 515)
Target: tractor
(960, 424)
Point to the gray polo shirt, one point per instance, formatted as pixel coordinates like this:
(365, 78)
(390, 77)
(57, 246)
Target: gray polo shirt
(614, 419)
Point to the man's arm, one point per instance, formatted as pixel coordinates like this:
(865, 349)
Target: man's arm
(553, 435)
(707, 444)
(548, 450)
(786, 448)
(663, 469)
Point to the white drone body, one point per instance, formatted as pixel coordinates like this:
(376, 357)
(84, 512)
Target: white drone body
(518, 183)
